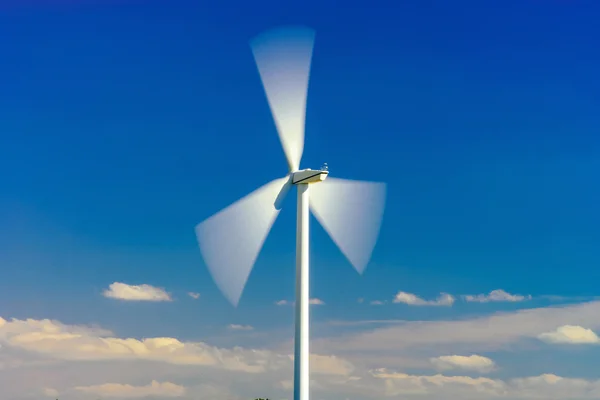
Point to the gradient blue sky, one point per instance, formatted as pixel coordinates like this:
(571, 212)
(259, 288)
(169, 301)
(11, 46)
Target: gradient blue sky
(124, 124)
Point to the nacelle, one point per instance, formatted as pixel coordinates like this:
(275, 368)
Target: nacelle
(307, 176)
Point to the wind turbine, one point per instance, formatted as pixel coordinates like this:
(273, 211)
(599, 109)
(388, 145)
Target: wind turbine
(350, 211)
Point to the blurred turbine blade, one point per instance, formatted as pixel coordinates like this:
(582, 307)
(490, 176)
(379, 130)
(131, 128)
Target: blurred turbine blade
(283, 57)
(351, 212)
(231, 239)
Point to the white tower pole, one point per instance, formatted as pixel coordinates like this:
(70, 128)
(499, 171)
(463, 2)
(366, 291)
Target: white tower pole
(301, 348)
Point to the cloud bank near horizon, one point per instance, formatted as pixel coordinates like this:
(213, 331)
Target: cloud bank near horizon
(353, 362)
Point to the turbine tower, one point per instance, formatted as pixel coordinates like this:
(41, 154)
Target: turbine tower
(350, 211)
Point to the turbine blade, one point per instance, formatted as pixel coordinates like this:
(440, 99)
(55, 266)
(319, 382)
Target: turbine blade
(231, 239)
(283, 57)
(351, 212)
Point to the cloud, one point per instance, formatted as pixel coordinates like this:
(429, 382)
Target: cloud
(194, 295)
(50, 392)
(93, 356)
(475, 334)
(377, 303)
(360, 300)
(570, 334)
(497, 295)
(316, 302)
(64, 342)
(52, 339)
(235, 327)
(553, 387)
(282, 303)
(444, 299)
(122, 291)
(471, 363)
(155, 389)
(546, 386)
(329, 365)
(398, 384)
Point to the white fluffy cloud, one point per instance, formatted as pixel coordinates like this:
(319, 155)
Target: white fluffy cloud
(497, 295)
(194, 295)
(154, 389)
(469, 363)
(123, 291)
(444, 299)
(570, 334)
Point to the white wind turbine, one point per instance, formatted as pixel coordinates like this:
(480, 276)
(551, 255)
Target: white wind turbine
(350, 211)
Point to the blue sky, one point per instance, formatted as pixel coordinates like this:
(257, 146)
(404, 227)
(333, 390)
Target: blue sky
(124, 124)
